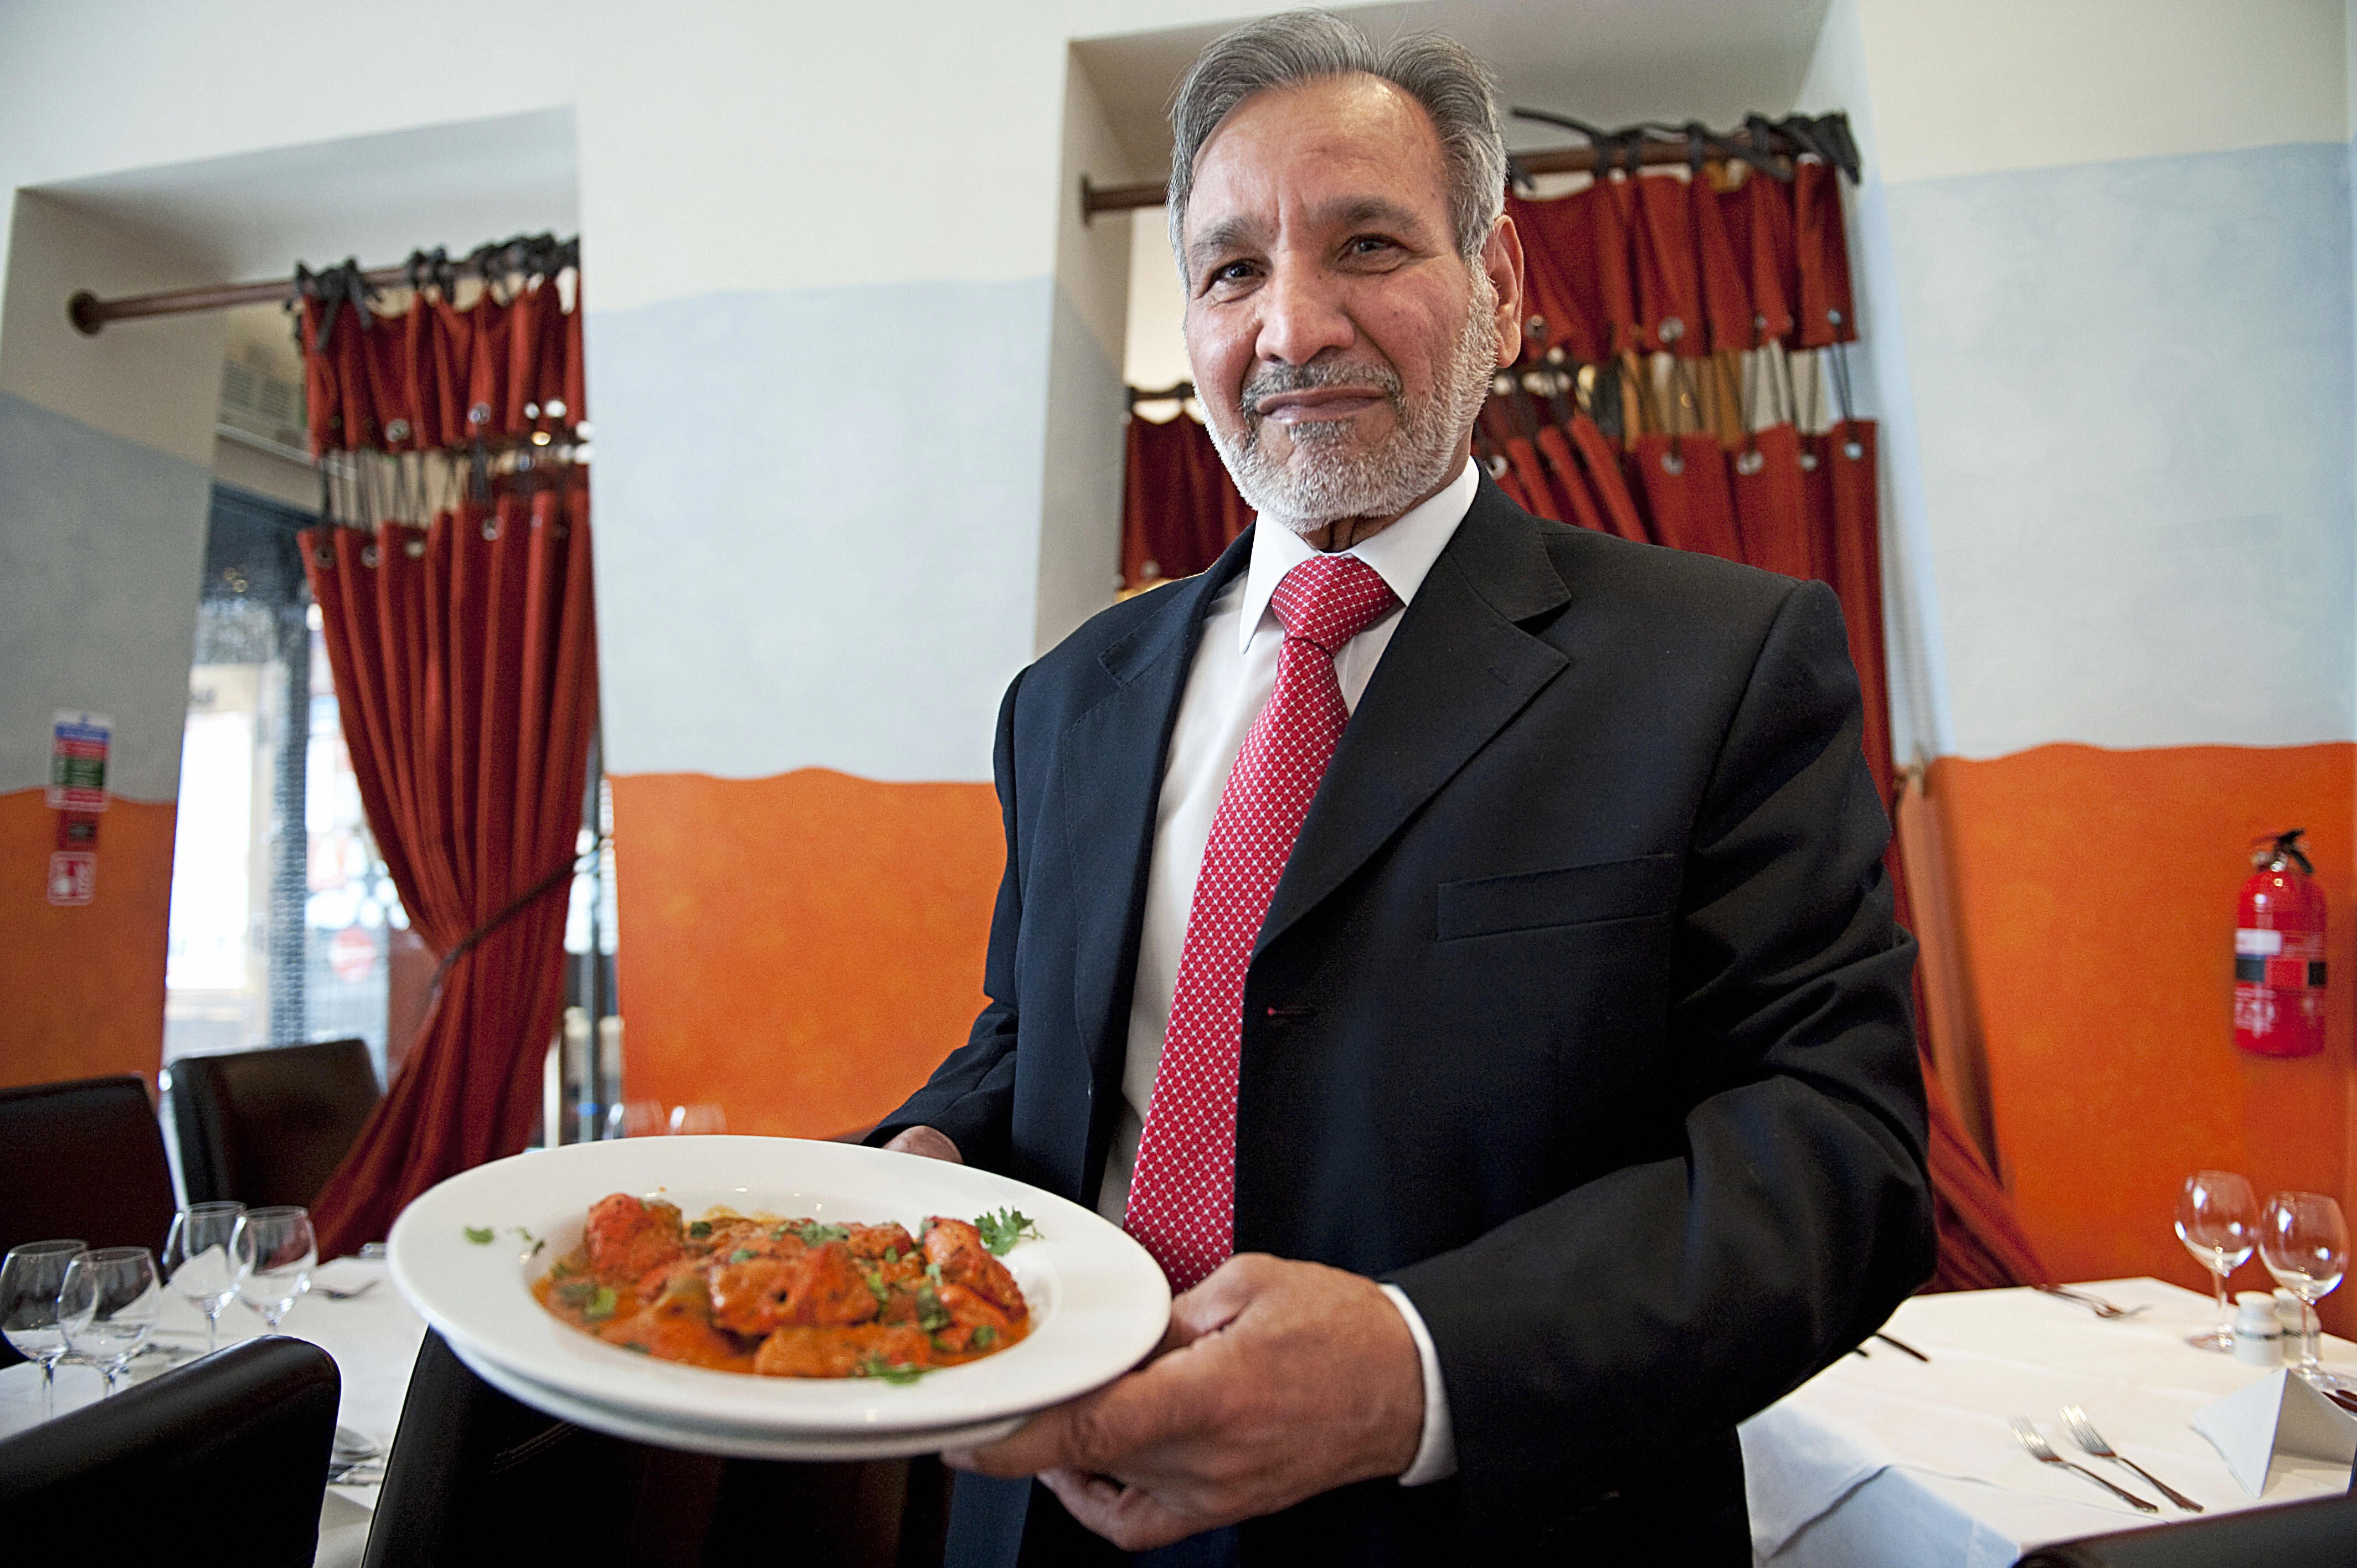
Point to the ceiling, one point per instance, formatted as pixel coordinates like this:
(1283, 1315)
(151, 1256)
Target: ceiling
(1609, 62)
(255, 215)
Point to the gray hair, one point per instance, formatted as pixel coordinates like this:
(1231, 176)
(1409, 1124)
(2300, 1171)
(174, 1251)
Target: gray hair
(1453, 84)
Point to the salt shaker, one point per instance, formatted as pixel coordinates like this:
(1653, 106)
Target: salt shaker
(2258, 1333)
(2291, 1314)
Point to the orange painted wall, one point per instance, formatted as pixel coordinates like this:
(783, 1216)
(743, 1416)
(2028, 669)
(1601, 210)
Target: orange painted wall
(81, 990)
(804, 948)
(2096, 892)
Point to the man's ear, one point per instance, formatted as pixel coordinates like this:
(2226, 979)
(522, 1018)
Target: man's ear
(1501, 259)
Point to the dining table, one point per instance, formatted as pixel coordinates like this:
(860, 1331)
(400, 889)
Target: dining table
(1887, 1461)
(371, 1332)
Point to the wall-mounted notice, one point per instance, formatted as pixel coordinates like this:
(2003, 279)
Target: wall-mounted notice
(78, 746)
(73, 877)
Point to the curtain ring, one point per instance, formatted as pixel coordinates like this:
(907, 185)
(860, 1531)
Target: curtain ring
(1672, 461)
(491, 528)
(368, 554)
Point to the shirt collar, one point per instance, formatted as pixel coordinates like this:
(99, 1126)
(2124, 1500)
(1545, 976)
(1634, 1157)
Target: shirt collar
(1400, 555)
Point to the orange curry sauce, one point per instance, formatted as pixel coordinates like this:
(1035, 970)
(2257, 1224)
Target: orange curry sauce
(785, 1298)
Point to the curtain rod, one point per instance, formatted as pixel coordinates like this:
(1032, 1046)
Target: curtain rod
(1761, 138)
(89, 313)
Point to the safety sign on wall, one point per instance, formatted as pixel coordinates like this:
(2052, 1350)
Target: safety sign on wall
(79, 743)
(73, 877)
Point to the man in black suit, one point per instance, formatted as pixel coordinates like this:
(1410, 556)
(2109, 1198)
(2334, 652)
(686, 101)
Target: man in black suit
(1565, 1107)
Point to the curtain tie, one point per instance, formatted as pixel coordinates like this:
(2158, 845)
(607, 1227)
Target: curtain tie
(538, 890)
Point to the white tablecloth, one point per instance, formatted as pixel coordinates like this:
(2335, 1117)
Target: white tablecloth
(1888, 1462)
(373, 1340)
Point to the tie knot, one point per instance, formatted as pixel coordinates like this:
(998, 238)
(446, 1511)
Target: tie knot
(1329, 599)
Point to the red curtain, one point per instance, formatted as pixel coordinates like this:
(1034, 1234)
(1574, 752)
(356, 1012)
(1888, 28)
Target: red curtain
(1179, 508)
(463, 649)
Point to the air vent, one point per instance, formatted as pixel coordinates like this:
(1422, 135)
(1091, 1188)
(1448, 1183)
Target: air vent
(256, 403)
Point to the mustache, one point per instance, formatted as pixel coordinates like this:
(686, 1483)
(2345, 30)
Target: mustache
(1271, 380)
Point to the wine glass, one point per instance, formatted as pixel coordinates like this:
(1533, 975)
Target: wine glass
(197, 1261)
(690, 1120)
(635, 1119)
(2218, 1221)
(30, 1278)
(108, 1305)
(276, 1253)
(2305, 1244)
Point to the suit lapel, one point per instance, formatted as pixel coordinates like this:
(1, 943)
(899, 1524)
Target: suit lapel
(1108, 774)
(1458, 670)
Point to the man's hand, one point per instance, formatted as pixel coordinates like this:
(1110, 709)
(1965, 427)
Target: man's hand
(925, 1141)
(1276, 1381)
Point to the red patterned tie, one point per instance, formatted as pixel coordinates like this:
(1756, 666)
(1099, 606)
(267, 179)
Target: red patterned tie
(1182, 1197)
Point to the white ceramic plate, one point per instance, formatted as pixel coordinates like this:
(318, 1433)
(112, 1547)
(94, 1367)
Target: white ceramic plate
(735, 1443)
(1098, 1302)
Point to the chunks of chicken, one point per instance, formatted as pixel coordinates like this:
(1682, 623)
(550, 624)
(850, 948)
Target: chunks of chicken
(627, 1237)
(838, 1352)
(957, 1247)
(817, 1287)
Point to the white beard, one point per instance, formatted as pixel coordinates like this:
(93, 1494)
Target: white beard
(1329, 477)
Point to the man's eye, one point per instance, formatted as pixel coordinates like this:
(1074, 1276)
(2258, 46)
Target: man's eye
(1371, 245)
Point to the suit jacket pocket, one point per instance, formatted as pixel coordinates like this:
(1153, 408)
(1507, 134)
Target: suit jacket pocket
(1569, 895)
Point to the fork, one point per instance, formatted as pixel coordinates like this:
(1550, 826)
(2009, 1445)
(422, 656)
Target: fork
(2083, 1434)
(2094, 1303)
(332, 1293)
(2043, 1452)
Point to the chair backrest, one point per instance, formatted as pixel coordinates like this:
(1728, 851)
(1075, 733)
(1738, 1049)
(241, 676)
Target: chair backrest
(83, 1159)
(268, 1126)
(2321, 1529)
(476, 1477)
(242, 1433)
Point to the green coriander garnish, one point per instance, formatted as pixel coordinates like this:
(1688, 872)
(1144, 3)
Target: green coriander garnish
(480, 1235)
(602, 1305)
(817, 1235)
(741, 1254)
(984, 1338)
(891, 1255)
(634, 1345)
(700, 1229)
(875, 1366)
(932, 1315)
(1002, 1229)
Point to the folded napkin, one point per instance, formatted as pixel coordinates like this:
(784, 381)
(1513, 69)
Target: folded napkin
(2275, 1425)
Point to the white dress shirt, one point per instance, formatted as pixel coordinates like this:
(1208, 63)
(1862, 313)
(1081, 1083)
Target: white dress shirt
(1234, 673)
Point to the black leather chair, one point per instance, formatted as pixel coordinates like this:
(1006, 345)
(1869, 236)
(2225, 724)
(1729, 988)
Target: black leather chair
(84, 1159)
(268, 1126)
(237, 1440)
(475, 1477)
(2320, 1531)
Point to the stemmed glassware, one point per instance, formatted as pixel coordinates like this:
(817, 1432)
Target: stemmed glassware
(108, 1305)
(2305, 1244)
(198, 1262)
(276, 1253)
(2218, 1221)
(30, 1278)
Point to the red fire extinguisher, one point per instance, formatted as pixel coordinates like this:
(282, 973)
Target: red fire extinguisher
(2280, 953)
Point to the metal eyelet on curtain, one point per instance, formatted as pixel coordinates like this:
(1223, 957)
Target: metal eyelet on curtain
(1835, 316)
(531, 411)
(1853, 450)
(368, 554)
(327, 559)
(1808, 461)
(554, 408)
(1750, 462)
(397, 431)
(479, 414)
(1673, 462)
(1673, 329)
(491, 528)
(414, 549)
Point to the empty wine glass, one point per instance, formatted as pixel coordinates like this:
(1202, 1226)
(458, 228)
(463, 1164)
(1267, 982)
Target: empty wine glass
(2218, 1221)
(707, 1117)
(30, 1278)
(197, 1261)
(108, 1305)
(2305, 1244)
(635, 1119)
(276, 1253)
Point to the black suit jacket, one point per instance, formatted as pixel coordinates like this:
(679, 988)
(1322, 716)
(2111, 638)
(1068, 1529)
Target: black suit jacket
(1579, 1012)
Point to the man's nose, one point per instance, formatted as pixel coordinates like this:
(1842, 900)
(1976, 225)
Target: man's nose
(1301, 316)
